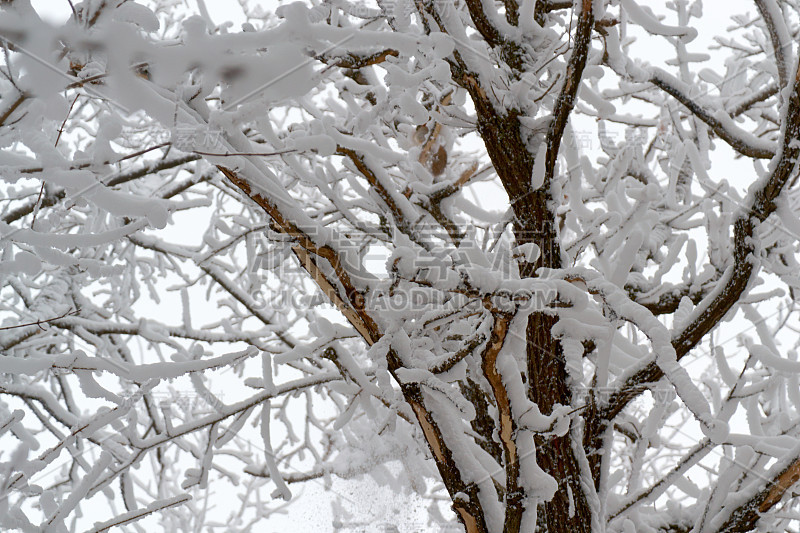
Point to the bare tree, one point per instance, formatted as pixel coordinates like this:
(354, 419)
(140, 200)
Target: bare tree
(490, 252)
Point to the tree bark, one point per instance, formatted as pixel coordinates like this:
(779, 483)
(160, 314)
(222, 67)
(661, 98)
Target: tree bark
(569, 509)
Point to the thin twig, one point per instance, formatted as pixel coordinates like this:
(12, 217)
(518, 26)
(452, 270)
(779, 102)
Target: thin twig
(40, 322)
(234, 154)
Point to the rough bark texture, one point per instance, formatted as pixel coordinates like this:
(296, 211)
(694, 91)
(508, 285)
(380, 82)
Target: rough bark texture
(534, 222)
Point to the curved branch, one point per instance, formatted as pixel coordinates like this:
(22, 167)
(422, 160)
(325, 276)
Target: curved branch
(512, 11)
(760, 96)
(667, 300)
(735, 139)
(354, 61)
(546, 6)
(12, 107)
(483, 24)
(779, 35)
(119, 179)
(738, 276)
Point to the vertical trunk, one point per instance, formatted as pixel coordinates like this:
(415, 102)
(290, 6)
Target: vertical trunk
(569, 510)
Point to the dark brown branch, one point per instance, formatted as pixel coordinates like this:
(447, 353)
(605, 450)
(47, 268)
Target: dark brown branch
(511, 52)
(767, 92)
(483, 24)
(742, 270)
(737, 143)
(569, 510)
(572, 81)
(483, 424)
(152, 168)
(138, 514)
(40, 322)
(546, 6)
(668, 301)
(777, 50)
(183, 186)
(458, 356)
(687, 461)
(56, 197)
(745, 517)
(512, 11)
(13, 107)
(234, 154)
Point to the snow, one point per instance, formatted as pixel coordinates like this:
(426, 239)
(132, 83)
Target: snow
(24, 262)
(55, 521)
(134, 515)
(167, 293)
(644, 17)
(137, 14)
(604, 108)
(625, 258)
(785, 42)
(539, 167)
(772, 360)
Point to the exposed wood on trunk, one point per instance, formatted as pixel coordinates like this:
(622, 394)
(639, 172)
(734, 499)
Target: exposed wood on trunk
(569, 510)
(351, 304)
(514, 498)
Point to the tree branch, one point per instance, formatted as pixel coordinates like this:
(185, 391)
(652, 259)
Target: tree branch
(572, 81)
(738, 276)
(483, 24)
(12, 107)
(354, 61)
(351, 304)
(53, 199)
(546, 6)
(138, 514)
(746, 515)
(760, 96)
(778, 34)
(674, 88)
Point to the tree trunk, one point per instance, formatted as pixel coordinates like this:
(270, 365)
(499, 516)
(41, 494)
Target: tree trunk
(569, 510)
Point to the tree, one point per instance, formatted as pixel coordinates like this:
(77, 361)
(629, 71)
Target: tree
(189, 207)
